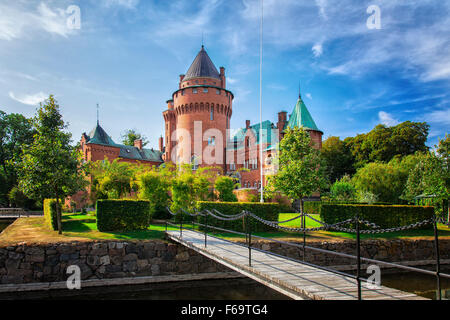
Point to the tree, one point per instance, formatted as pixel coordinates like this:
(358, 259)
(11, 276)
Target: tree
(338, 158)
(383, 143)
(225, 186)
(154, 185)
(301, 169)
(343, 189)
(16, 132)
(51, 167)
(112, 180)
(131, 135)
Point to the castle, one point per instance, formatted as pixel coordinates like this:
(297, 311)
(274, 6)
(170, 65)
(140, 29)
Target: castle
(197, 130)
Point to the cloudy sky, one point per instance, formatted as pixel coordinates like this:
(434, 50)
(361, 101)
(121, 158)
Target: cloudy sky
(127, 55)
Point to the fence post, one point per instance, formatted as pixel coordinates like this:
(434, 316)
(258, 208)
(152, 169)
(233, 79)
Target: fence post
(358, 255)
(304, 234)
(438, 259)
(249, 232)
(181, 226)
(206, 228)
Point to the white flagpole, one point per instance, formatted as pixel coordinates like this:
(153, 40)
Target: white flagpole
(261, 160)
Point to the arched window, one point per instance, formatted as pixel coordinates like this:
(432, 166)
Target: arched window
(212, 113)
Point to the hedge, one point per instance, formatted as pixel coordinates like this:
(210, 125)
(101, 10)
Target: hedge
(314, 207)
(50, 214)
(267, 211)
(123, 215)
(384, 216)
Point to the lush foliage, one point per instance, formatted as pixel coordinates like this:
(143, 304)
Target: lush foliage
(343, 190)
(50, 166)
(338, 159)
(111, 179)
(383, 143)
(267, 211)
(50, 213)
(190, 186)
(154, 185)
(16, 132)
(383, 216)
(225, 185)
(301, 170)
(130, 136)
(123, 215)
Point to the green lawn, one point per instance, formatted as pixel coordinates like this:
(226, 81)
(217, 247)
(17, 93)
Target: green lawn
(84, 225)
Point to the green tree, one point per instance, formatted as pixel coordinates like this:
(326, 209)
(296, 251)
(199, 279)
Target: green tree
(154, 185)
(112, 179)
(301, 169)
(51, 167)
(16, 132)
(343, 189)
(129, 136)
(225, 186)
(338, 158)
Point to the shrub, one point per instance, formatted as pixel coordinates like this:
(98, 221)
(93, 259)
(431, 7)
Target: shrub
(382, 215)
(312, 207)
(267, 211)
(225, 186)
(155, 186)
(50, 213)
(123, 215)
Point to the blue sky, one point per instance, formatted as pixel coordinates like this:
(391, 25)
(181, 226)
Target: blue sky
(128, 54)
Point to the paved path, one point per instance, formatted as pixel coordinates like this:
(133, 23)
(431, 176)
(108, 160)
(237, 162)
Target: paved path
(294, 279)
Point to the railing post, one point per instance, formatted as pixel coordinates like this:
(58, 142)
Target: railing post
(166, 225)
(249, 232)
(358, 255)
(304, 235)
(206, 228)
(181, 226)
(438, 259)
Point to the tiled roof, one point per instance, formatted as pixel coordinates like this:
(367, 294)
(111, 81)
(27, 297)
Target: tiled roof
(202, 67)
(100, 137)
(239, 136)
(301, 117)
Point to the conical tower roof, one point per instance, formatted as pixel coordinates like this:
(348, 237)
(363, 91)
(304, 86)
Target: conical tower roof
(301, 117)
(202, 67)
(99, 136)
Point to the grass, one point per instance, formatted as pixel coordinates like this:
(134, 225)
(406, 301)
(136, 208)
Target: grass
(83, 227)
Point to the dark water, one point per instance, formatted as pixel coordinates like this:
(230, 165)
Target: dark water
(232, 289)
(5, 223)
(418, 283)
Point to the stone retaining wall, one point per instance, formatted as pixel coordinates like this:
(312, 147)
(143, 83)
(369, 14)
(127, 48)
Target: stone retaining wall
(100, 260)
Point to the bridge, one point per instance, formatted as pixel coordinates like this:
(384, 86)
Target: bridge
(296, 279)
(15, 213)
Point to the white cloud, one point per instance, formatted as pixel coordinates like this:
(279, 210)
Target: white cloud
(317, 50)
(309, 96)
(439, 117)
(387, 119)
(32, 99)
(20, 19)
(321, 4)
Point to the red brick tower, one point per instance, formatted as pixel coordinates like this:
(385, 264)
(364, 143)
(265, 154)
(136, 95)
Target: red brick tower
(198, 115)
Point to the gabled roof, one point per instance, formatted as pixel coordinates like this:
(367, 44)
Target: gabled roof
(239, 136)
(100, 137)
(202, 67)
(301, 117)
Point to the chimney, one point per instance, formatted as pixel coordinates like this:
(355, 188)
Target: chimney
(247, 124)
(138, 143)
(282, 116)
(161, 144)
(222, 77)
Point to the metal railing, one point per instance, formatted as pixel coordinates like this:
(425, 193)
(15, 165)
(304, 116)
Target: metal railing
(246, 215)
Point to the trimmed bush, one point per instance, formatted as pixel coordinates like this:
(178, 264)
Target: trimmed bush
(267, 211)
(314, 207)
(123, 215)
(384, 216)
(50, 214)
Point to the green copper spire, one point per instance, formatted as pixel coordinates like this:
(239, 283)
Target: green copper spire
(301, 117)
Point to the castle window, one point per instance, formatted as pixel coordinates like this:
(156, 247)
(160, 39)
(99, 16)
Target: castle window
(194, 90)
(218, 91)
(212, 113)
(205, 90)
(232, 166)
(194, 162)
(212, 141)
(182, 92)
